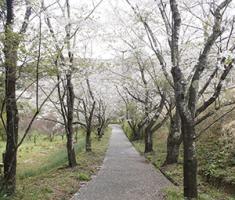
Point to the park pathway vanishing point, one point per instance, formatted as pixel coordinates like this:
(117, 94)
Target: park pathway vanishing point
(125, 175)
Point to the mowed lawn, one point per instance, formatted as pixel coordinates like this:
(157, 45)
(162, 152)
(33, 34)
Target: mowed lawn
(42, 171)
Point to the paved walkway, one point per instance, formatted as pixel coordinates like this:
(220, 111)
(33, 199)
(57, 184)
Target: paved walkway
(125, 175)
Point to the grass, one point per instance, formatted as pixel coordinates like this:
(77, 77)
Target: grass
(34, 159)
(50, 161)
(47, 176)
(176, 193)
(84, 177)
(175, 171)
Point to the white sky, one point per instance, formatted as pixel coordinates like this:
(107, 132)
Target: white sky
(105, 19)
(110, 19)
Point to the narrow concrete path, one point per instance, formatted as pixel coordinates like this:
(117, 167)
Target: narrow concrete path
(125, 175)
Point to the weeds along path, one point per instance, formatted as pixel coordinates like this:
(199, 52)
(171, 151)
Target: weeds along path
(125, 175)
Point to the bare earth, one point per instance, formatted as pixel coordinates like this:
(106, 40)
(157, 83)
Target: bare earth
(125, 175)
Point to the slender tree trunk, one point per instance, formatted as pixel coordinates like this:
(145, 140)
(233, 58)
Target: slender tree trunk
(100, 128)
(51, 137)
(136, 134)
(71, 151)
(70, 131)
(35, 139)
(133, 131)
(174, 140)
(100, 131)
(190, 160)
(89, 117)
(88, 140)
(141, 133)
(148, 141)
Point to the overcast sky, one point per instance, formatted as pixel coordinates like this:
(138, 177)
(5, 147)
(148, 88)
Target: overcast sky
(110, 19)
(106, 22)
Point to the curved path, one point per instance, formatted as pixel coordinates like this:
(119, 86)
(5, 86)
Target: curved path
(125, 175)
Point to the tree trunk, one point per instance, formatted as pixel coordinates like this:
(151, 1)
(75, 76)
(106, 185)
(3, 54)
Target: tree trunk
(11, 122)
(136, 135)
(70, 104)
(190, 160)
(71, 151)
(10, 162)
(12, 119)
(100, 129)
(100, 132)
(174, 140)
(148, 141)
(51, 137)
(35, 139)
(136, 132)
(88, 140)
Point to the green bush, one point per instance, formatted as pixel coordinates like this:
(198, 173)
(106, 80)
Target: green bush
(127, 130)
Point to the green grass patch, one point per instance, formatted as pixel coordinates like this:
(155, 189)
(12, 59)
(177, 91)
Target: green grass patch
(48, 178)
(127, 130)
(173, 193)
(176, 193)
(84, 177)
(53, 160)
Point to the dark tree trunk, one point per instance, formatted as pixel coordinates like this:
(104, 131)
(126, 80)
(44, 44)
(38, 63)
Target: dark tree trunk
(136, 131)
(148, 141)
(188, 133)
(100, 132)
(101, 127)
(35, 139)
(88, 140)
(136, 134)
(190, 159)
(51, 137)
(89, 128)
(89, 114)
(141, 133)
(71, 151)
(174, 140)
(12, 119)
(70, 132)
